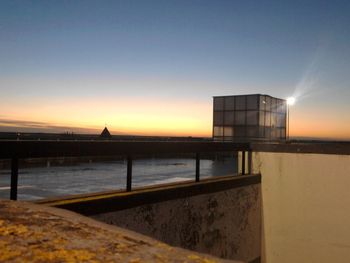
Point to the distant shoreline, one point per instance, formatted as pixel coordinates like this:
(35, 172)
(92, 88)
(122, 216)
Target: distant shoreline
(68, 136)
(77, 136)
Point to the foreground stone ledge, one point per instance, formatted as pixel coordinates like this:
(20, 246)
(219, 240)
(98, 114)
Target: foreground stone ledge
(36, 233)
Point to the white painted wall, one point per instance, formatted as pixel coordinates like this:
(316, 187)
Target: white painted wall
(305, 207)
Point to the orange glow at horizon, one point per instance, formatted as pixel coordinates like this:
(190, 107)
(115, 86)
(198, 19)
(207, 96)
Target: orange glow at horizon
(155, 117)
(329, 125)
(122, 115)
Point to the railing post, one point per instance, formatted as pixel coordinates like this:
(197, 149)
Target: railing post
(197, 166)
(243, 162)
(129, 174)
(250, 156)
(14, 178)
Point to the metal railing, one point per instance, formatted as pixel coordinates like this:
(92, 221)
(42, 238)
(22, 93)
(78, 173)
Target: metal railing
(15, 150)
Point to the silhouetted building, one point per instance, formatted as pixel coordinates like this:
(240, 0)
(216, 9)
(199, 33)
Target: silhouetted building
(249, 118)
(105, 134)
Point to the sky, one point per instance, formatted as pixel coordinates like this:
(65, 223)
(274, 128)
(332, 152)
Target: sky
(152, 67)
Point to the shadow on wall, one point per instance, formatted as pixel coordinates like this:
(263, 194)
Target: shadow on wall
(226, 223)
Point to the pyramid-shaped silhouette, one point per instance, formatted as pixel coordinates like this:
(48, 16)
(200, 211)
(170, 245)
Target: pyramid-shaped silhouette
(105, 134)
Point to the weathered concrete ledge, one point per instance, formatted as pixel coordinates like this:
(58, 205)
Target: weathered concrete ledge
(103, 202)
(220, 216)
(36, 233)
(224, 223)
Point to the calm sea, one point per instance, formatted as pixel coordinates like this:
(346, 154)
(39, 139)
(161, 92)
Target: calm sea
(87, 177)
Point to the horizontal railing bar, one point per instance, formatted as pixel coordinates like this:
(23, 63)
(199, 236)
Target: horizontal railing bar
(40, 149)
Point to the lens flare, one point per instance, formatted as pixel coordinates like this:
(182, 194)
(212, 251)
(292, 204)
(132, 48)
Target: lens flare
(291, 101)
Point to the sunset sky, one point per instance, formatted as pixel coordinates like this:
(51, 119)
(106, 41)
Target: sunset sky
(152, 67)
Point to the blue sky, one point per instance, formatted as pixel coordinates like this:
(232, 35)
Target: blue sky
(180, 51)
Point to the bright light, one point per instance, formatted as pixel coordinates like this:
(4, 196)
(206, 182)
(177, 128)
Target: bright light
(291, 101)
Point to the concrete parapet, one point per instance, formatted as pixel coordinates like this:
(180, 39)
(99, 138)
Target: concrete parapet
(219, 216)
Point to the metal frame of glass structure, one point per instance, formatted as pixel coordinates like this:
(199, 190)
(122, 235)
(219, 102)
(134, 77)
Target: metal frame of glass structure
(249, 117)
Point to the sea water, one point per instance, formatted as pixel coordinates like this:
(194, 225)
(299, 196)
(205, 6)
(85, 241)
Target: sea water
(88, 177)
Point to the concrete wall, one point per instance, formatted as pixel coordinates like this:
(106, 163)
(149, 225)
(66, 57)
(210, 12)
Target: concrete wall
(224, 223)
(305, 206)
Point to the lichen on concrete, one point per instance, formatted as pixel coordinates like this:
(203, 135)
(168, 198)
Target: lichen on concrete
(225, 224)
(34, 233)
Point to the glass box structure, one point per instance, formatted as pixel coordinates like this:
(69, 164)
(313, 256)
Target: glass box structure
(249, 118)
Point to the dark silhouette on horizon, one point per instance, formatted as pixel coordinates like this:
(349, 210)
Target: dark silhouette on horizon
(105, 134)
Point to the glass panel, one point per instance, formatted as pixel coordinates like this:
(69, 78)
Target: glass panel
(252, 132)
(268, 103)
(252, 102)
(239, 132)
(228, 131)
(279, 133)
(267, 119)
(273, 120)
(267, 132)
(229, 116)
(229, 103)
(218, 131)
(262, 102)
(283, 133)
(226, 138)
(261, 132)
(239, 117)
(252, 118)
(273, 134)
(240, 102)
(273, 104)
(262, 118)
(281, 120)
(218, 118)
(218, 104)
(281, 106)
